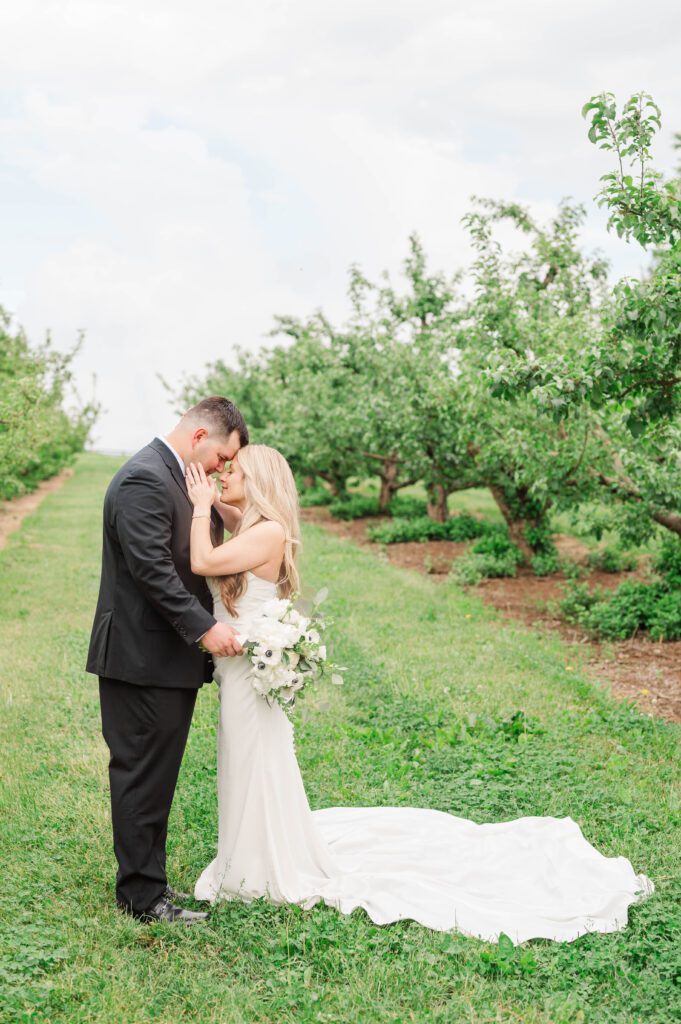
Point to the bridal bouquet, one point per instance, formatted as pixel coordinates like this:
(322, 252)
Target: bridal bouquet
(286, 650)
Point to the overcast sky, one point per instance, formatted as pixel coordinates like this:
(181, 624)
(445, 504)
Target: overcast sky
(174, 174)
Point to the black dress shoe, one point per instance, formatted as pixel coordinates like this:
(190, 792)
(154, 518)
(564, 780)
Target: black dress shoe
(165, 910)
(172, 894)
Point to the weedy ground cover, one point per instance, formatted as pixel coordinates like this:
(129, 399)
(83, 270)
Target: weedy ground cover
(444, 705)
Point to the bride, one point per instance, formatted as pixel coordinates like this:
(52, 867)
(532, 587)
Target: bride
(530, 878)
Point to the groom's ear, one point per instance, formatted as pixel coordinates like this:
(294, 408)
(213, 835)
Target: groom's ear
(199, 435)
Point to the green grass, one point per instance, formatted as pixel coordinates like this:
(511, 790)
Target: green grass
(432, 677)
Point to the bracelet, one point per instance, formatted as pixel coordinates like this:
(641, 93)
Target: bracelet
(202, 515)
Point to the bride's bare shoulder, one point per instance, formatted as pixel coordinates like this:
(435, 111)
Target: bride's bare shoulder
(267, 529)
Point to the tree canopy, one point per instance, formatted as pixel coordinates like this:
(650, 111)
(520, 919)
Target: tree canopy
(527, 372)
(38, 433)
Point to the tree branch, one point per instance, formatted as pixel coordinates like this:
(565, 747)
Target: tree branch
(626, 490)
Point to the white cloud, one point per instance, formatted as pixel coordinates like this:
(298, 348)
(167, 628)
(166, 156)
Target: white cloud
(176, 174)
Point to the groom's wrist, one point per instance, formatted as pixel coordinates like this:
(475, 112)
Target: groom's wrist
(199, 639)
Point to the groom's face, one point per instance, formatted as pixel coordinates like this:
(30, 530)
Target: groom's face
(213, 451)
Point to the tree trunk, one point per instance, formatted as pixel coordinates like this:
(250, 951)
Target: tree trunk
(517, 525)
(516, 532)
(309, 482)
(336, 484)
(437, 503)
(389, 485)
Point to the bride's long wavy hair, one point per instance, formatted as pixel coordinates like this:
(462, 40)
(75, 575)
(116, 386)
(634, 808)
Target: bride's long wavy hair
(270, 493)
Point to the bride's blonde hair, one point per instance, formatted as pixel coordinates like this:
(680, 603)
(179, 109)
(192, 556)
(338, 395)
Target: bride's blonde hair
(270, 493)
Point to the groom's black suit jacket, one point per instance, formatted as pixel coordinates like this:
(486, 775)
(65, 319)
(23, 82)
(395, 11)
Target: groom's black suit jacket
(152, 608)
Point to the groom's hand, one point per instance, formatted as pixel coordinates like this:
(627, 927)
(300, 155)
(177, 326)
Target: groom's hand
(221, 641)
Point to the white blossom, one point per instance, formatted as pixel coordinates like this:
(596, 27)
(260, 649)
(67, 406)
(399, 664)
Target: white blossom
(296, 619)
(270, 655)
(275, 608)
(285, 651)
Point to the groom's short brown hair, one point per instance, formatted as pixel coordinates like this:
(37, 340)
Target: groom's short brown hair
(220, 416)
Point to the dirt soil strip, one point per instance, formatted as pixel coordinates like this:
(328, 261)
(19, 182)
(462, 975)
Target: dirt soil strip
(12, 513)
(643, 671)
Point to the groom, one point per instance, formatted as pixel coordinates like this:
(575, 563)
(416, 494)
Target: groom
(152, 628)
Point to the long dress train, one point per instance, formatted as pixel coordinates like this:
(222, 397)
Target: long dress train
(533, 877)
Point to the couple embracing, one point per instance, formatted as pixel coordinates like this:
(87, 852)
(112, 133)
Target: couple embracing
(174, 599)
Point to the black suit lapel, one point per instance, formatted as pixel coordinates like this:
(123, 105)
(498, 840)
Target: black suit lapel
(172, 464)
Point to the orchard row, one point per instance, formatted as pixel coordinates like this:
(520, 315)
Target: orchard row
(527, 372)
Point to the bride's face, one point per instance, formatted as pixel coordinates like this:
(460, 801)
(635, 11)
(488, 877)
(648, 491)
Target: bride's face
(232, 481)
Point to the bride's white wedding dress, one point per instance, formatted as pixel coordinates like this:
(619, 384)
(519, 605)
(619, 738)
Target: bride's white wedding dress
(530, 878)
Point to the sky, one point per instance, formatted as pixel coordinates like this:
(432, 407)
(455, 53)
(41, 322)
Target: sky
(173, 175)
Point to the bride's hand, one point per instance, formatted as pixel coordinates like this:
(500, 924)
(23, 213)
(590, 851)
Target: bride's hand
(200, 489)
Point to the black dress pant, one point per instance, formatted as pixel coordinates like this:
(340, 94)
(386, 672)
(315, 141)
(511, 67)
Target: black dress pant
(145, 728)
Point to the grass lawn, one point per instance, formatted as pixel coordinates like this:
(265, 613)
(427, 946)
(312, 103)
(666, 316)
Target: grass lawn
(425, 718)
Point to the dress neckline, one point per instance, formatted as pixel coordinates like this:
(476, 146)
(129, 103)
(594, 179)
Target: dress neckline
(261, 578)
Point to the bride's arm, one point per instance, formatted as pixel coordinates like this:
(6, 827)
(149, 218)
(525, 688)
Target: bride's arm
(262, 543)
(230, 515)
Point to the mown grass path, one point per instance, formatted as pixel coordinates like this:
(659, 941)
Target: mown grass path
(427, 717)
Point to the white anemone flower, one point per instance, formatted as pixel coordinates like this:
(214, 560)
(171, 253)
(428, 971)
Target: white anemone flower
(263, 675)
(270, 655)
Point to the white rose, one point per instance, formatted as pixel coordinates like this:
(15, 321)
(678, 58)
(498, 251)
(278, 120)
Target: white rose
(278, 634)
(282, 677)
(266, 634)
(275, 608)
(295, 634)
(257, 633)
(281, 635)
(321, 654)
(261, 686)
